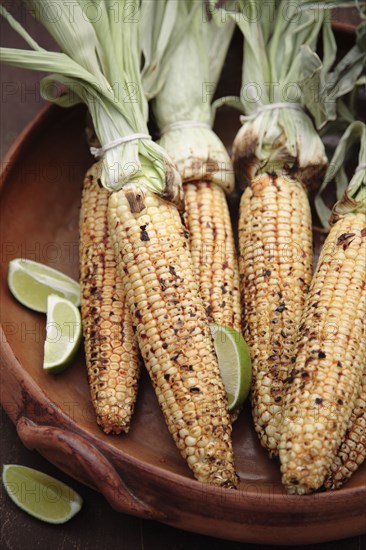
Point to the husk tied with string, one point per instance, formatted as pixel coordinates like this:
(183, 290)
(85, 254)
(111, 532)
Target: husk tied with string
(182, 107)
(288, 93)
(100, 65)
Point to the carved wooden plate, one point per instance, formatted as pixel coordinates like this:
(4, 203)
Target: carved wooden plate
(141, 473)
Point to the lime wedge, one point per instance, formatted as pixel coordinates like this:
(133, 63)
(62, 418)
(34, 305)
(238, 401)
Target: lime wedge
(42, 496)
(234, 362)
(63, 336)
(32, 282)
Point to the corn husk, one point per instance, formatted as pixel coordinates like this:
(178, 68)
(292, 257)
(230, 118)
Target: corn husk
(100, 65)
(288, 92)
(353, 197)
(182, 107)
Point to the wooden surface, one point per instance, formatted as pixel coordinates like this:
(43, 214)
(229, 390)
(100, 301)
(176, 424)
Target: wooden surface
(97, 525)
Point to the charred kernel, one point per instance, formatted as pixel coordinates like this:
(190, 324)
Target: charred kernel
(344, 237)
(267, 272)
(318, 400)
(321, 355)
(172, 271)
(144, 236)
(281, 307)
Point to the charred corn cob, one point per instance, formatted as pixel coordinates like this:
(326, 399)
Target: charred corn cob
(275, 264)
(172, 330)
(324, 383)
(213, 252)
(110, 346)
(352, 451)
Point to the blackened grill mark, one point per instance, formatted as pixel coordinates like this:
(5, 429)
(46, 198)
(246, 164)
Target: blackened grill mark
(162, 284)
(135, 201)
(175, 357)
(173, 272)
(344, 240)
(144, 236)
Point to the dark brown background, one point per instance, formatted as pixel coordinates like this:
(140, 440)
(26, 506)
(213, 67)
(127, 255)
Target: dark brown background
(97, 525)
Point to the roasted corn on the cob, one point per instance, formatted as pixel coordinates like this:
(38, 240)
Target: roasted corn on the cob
(172, 330)
(110, 347)
(213, 252)
(323, 385)
(275, 264)
(352, 452)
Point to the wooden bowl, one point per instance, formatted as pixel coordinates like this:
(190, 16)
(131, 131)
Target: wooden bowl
(141, 473)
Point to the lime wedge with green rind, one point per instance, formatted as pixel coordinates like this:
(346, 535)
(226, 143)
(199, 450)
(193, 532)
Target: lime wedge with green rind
(41, 495)
(233, 355)
(63, 334)
(32, 282)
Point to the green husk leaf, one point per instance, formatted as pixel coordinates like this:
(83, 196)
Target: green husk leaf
(351, 195)
(100, 65)
(192, 73)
